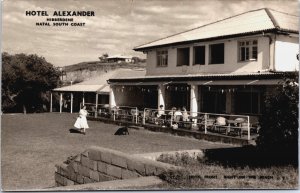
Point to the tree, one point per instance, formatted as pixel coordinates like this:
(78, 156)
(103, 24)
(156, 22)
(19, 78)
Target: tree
(26, 82)
(103, 58)
(279, 124)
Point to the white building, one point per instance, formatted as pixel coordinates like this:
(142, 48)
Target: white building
(224, 67)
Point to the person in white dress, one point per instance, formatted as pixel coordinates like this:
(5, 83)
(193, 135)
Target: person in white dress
(81, 122)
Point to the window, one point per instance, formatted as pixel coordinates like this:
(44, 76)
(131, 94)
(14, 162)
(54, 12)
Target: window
(247, 102)
(199, 55)
(162, 58)
(248, 50)
(216, 53)
(183, 56)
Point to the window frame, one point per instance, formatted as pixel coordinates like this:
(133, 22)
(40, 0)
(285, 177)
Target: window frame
(210, 53)
(194, 55)
(160, 62)
(188, 62)
(250, 47)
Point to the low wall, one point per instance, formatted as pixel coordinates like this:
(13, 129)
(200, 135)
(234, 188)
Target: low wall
(99, 164)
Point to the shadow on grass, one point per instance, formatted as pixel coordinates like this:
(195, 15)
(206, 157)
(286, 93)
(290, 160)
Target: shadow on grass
(251, 156)
(72, 130)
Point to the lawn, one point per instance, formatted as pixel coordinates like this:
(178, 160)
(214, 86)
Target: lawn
(32, 144)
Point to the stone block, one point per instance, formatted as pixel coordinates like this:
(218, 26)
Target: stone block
(85, 153)
(86, 180)
(58, 178)
(93, 165)
(127, 174)
(137, 166)
(94, 155)
(150, 170)
(73, 166)
(85, 171)
(102, 167)
(69, 182)
(106, 157)
(62, 169)
(103, 178)
(72, 176)
(85, 161)
(94, 175)
(114, 171)
(79, 179)
(119, 161)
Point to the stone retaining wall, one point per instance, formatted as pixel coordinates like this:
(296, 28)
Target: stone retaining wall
(99, 164)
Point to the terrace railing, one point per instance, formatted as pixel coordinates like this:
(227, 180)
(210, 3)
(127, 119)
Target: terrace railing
(224, 124)
(207, 122)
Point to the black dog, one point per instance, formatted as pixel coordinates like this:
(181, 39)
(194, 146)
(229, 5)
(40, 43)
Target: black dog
(122, 131)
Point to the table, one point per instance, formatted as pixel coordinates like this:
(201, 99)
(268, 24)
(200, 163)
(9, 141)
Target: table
(235, 123)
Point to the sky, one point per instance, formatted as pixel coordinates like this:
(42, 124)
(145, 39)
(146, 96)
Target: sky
(117, 27)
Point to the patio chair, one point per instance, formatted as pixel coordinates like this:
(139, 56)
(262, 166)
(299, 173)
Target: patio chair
(209, 124)
(221, 125)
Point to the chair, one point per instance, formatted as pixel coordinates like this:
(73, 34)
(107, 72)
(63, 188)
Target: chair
(221, 125)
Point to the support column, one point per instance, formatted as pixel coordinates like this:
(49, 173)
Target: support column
(71, 102)
(51, 103)
(194, 103)
(112, 100)
(83, 99)
(60, 103)
(96, 109)
(228, 103)
(193, 100)
(161, 96)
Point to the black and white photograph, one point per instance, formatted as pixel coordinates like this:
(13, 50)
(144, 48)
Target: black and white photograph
(149, 95)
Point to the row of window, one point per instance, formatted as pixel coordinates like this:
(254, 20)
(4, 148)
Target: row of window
(247, 52)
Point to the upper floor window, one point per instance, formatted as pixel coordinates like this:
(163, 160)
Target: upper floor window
(199, 55)
(183, 56)
(216, 53)
(248, 50)
(162, 58)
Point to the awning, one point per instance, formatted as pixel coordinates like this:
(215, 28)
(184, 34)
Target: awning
(84, 88)
(239, 82)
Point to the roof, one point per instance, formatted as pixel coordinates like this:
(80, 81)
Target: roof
(197, 77)
(119, 56)
(261, 20)
(99, 83)
(84, 88)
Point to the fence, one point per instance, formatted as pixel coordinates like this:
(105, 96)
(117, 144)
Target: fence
(224, 124)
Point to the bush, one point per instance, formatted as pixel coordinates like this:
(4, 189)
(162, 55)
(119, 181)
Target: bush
(279, 124)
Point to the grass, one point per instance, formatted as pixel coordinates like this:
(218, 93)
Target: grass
(32, 144)
(204, 174)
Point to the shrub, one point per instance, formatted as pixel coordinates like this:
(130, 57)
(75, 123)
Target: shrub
(279, 124)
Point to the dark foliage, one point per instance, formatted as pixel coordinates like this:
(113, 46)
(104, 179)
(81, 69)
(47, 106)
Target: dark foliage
(26, 82)
(279, 123)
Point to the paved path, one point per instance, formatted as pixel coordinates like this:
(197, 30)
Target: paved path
(32, 144)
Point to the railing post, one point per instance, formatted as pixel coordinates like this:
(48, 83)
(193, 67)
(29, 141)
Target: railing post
(248, 125)
(114, 113)
(136, 115)
(205, 123)
(144, 117)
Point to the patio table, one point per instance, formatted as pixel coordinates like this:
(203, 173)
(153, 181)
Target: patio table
(236, 126)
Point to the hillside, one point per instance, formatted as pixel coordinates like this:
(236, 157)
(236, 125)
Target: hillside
(100, 66)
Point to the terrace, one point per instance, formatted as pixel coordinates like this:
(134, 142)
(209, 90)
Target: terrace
(242, 127)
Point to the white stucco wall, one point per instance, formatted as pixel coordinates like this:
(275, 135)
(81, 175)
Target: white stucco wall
(231, 63)
(286, 50)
